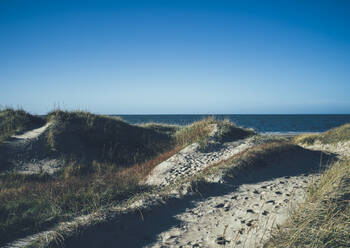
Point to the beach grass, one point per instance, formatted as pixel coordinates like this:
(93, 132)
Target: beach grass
(87, 137)
(332, 136)
(30, 203)
(323, 220)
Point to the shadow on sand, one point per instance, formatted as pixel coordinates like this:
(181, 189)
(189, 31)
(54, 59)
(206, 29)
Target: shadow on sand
(138, 229)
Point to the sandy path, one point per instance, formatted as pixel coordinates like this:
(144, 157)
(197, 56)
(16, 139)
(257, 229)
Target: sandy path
(242, 218)
(32, 134)
(25, 153)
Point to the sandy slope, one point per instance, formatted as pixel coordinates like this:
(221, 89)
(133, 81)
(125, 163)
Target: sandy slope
(25, 153)
(190, 160)
(342, 149)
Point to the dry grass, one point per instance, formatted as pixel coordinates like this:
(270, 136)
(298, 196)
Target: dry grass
(200, 132)
(324, 219)
(32, 203)
(339, 134)
(194, 132)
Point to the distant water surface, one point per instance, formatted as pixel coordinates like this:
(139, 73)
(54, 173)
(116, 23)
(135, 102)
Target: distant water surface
(261, 123)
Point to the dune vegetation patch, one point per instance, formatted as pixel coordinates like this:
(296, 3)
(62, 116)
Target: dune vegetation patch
(31, 203)
(168, 129)
(105, 162)
(87, 137)
(228, 132)
(332, 136)
(15, 121)
(324, 219)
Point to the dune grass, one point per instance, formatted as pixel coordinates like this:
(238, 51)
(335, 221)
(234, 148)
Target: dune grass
(339, 134)
(228, 131)
(200, 132)
(31, 203)
(324, 219)
(88, 137)
(14, 121)
(162, 127)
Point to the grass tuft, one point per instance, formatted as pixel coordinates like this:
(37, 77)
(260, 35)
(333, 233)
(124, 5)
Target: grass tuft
(332, 136)
(324, 219)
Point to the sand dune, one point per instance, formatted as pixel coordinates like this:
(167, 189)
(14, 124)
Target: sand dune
(239, 212)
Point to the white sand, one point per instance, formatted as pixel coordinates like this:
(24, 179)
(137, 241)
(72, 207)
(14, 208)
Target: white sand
(29, 135)
(190, 160)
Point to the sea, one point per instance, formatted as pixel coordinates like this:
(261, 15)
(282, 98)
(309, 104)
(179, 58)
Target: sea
(284, 124)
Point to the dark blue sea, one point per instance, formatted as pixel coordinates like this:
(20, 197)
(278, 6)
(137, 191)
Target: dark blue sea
(260, 123)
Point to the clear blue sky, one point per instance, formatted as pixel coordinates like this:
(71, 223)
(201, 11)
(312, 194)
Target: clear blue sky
(159, 57)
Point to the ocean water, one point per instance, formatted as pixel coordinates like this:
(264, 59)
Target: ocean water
(260, 123)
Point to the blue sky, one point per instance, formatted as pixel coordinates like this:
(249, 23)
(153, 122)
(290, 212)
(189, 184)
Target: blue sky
(168, 57)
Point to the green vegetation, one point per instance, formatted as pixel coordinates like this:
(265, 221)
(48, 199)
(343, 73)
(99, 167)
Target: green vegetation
(331, 136)
(17, 121)
(324, 219)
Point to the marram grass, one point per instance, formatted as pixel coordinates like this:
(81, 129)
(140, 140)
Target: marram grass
(323, 221)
